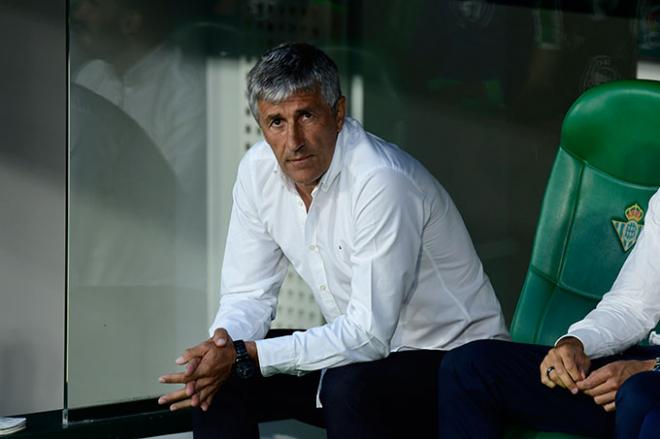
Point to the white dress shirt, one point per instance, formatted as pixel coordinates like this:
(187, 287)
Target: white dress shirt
(383, 248)
(631, 308)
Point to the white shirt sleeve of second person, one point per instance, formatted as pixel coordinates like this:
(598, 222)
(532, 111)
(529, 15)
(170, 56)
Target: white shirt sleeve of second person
(631, 308)
(388, 217)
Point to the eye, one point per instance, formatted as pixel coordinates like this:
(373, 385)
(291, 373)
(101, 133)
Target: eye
(277, 122)
(306, 115)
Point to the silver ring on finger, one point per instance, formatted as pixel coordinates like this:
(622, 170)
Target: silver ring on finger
(548, 370)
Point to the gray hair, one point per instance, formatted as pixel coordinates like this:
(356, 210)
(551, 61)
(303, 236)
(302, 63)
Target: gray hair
(290, 68)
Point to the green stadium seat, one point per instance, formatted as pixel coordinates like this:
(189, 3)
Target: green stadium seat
(608, 161)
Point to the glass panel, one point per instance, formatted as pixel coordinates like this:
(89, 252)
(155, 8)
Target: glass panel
(475, 90)
(137, 247)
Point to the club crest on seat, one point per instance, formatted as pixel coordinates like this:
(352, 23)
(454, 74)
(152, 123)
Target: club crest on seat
(628, 231)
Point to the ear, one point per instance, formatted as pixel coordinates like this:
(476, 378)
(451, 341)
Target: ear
(130, 23)
(340, 112)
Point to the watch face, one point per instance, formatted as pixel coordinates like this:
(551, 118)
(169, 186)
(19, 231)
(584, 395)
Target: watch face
(245, 369)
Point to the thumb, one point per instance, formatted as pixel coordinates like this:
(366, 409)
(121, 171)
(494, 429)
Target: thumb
(220, 337)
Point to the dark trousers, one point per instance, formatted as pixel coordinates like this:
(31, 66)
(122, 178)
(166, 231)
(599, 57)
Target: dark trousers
(651, 425)
(638, 406)
(489, 385)
(390, 398)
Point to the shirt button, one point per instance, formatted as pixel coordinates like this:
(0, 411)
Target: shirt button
(300, 203)
(323, 287)
(312, 247)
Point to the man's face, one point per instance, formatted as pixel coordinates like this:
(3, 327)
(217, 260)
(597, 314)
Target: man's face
(302, 131)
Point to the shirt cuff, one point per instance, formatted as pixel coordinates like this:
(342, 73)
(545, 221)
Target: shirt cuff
(236, 332)
(276, 355)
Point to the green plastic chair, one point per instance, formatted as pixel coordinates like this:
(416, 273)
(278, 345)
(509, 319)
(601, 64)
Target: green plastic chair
(608, 161)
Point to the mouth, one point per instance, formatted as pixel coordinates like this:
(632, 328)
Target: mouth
(299, 160)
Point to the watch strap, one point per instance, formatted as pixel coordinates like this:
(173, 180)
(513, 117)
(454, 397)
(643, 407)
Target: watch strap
(244, 365)
(241, 351)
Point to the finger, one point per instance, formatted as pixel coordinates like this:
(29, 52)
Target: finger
(546, 377)
(190, 388)
(203, 383)
(582, 371)
(548, 382)
(177, 395)
(596, 378)
(206, 366)
(204, 369)
(181, 404)
(554, 377)
(605, 398)
(610, 407)
(584, 363)
(563, 378)
(571, 368)
(193, 371)
(602, 389)
(220, 337)
(175, 378)
(543, 371)
(192, 366)
(207, 403)
(214, 364)
(552, 361)
(207, 391)
(193, 390)
(190, 353)
(545, 380)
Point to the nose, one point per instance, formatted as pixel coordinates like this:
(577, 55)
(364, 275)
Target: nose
(294, 137)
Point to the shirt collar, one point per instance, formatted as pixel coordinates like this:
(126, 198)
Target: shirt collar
(337, 162)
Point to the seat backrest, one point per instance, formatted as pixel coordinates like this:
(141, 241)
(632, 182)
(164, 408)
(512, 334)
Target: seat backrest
(608, 162)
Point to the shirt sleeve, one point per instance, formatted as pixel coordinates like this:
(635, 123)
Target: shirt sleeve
(388, 216)
(631, 308)
(253, 269)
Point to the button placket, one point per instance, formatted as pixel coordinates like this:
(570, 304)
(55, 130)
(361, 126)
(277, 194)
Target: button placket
(300, 212)
(323, 290)
(315, 261)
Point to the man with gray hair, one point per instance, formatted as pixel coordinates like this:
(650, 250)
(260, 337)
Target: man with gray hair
(381, 245)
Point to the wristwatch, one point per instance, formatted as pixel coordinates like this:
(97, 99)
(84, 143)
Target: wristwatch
(244, 367)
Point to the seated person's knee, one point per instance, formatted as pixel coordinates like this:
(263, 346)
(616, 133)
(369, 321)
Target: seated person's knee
(639, 390)
(342, 384)
(470, 354)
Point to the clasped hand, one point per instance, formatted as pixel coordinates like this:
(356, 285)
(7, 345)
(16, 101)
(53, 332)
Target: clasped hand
(208, 366)
(567, 366)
